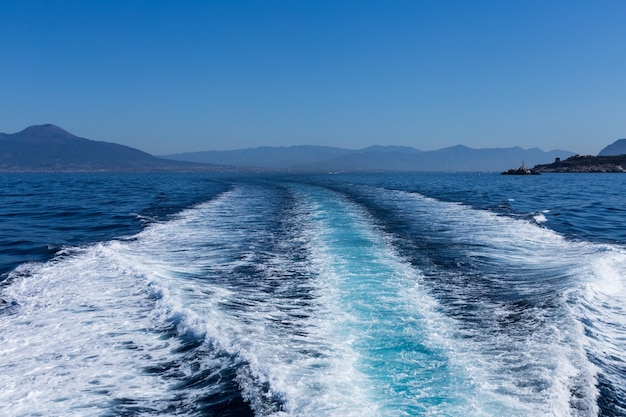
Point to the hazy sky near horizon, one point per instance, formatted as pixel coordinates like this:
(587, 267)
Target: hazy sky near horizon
(178, 76)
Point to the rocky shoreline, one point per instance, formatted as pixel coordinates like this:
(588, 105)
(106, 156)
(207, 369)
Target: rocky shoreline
(585, 164)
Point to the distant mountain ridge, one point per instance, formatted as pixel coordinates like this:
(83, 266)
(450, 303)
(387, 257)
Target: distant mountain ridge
(50, 148)
(264, 156)
(376, 158)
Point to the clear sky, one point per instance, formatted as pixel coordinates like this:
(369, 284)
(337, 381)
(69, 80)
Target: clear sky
(177, 76)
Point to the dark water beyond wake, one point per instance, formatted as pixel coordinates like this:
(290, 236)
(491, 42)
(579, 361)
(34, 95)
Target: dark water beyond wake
(328, 295)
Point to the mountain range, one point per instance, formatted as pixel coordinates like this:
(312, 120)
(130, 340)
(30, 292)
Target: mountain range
(376, 158)
(50, 148)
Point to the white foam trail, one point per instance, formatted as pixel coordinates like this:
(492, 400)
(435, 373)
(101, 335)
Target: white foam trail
(79, 337)
(85, 325)
(399, 342)
(536, 370)
(306, 370)
(600, 304)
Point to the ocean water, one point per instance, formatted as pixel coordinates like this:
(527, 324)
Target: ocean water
(312, 295)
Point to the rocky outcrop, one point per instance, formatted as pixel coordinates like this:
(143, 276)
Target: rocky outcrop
(585, 164)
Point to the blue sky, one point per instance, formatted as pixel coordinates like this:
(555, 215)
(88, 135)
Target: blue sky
(176, 76)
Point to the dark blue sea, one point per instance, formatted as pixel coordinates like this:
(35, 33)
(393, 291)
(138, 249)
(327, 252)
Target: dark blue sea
(448, 294)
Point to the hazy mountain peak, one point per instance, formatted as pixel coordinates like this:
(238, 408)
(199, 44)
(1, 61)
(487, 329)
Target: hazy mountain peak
(47, 133)
(46, 129)
(50, 148)
(616, 148)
